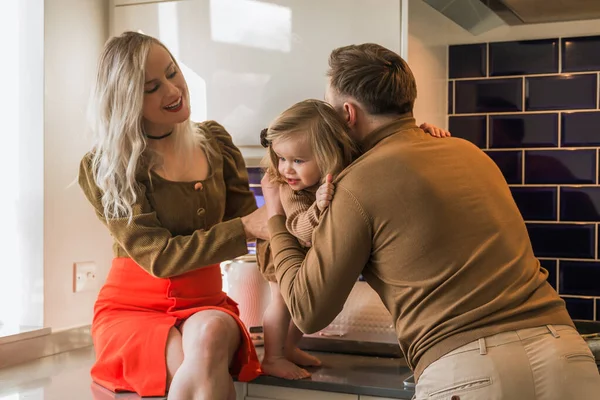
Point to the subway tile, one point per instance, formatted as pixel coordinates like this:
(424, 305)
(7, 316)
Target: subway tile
(560, 166)
(450, 97)
(581, 54)
(580, 308)
(524, 130)
(551, 267)
(509, 163)
(255, 175)
(579, 278)
(563, 240)
(561, 92)
(488, 95)
(258, 195)
(524, 57)
(536, 203)
(471, 128)
(467, 61)
(580, 204)
(597, 309)
(580, 128)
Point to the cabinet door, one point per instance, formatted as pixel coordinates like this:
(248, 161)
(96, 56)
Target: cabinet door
(132, 2)
(264, 392)
(245, 61)
(240, 390)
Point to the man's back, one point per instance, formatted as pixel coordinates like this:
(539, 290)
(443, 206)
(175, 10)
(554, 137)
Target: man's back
(450, 255)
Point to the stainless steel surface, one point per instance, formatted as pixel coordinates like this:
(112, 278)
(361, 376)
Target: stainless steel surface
(541, 11)
(363, 318)
(472, 15)
(479, 16)
(590, 332)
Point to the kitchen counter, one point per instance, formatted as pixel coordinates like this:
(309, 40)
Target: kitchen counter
(66, 376)
(353, 374)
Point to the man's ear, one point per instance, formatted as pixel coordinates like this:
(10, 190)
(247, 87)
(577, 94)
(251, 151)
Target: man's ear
(350, 113)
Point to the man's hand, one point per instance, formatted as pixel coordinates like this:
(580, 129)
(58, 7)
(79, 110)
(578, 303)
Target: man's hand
(255, 225)
(325, 193)
(434, 130)
(272, 199)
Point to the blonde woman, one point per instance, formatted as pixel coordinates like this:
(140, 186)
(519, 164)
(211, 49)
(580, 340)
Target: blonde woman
(174, 195)
(307, 145)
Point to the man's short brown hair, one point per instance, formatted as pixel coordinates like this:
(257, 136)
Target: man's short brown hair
(375, 76)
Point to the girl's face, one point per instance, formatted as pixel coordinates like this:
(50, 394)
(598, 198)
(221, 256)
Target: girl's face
(165, 93)
(296, 162)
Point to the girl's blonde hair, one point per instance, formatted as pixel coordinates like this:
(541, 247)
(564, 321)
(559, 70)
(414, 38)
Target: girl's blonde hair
(327, 132)
(115, 116)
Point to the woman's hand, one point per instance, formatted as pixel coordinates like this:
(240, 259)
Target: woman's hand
(272, 199)
(434, 130)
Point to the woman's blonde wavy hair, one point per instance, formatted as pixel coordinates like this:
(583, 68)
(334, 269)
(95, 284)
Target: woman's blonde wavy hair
(327, 133)
(115, 116)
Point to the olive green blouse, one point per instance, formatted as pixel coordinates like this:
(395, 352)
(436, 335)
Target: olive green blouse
(176, 228)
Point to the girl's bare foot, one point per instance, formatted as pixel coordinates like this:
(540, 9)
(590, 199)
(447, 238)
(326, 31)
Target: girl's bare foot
(282, 368)
(302, 358)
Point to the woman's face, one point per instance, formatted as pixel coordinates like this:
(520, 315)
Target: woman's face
(166, 100)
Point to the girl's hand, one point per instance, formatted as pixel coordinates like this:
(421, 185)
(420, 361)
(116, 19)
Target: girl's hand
(325, 193)
(434, 130)
(272, 199)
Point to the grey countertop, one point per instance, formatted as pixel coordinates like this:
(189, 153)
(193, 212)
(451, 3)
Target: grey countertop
(354, 374)
(381, 375)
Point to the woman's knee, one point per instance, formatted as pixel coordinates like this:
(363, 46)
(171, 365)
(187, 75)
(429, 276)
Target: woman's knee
(209, 330)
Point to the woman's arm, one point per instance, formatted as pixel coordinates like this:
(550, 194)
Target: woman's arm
(152, 246)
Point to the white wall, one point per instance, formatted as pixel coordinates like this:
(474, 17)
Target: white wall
(427, 58)
(75, 31)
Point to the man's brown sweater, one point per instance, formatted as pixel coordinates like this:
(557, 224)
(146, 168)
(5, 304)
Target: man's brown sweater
(432, 226)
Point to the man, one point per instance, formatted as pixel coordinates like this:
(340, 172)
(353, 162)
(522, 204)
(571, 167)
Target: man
(432, 226)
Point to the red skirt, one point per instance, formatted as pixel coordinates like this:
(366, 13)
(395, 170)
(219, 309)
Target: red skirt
(132, 318)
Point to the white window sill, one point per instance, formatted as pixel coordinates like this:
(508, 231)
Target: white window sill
(14, 335)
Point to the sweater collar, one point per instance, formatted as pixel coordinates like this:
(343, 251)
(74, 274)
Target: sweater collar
(403, 122)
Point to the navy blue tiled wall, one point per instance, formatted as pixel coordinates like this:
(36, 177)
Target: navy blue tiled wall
(533, 107)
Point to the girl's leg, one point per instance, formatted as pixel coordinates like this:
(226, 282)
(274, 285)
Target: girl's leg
(276, 321)
(293, 353)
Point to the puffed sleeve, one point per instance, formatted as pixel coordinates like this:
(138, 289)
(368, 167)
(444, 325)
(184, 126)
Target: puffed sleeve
(152, 246)
(239, 200)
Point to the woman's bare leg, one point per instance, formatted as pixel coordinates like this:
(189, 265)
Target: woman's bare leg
(210, 339)
(174, 354)
(276, 321)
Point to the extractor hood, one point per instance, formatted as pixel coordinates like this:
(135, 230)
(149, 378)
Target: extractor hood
(478, 16)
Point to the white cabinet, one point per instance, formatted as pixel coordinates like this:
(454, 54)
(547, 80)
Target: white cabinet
(136, 2)
(240, 390)
(245, 61)
(263, 392)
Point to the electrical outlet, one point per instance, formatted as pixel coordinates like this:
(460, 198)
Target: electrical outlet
(84, 276)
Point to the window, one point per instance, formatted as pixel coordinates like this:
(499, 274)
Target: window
(22, 165)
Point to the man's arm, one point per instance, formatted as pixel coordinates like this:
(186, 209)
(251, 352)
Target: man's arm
(315, 288)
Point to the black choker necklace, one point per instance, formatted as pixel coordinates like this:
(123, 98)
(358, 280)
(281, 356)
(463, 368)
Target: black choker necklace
(166, 135)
